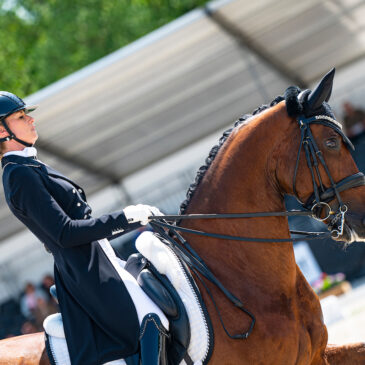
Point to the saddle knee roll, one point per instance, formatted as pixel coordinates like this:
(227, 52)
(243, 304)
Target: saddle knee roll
(158, 293)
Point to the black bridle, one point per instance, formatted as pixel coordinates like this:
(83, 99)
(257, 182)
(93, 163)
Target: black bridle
(314, 206)
(314, 157)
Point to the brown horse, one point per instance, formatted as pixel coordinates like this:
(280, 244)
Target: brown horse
(251, 172)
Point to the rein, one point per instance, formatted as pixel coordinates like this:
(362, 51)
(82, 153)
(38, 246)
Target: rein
(314, 205)
(308, 235)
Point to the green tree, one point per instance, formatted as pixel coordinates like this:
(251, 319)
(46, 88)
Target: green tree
(44, 40)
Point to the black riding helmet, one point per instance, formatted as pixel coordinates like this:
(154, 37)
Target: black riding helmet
(9, 104)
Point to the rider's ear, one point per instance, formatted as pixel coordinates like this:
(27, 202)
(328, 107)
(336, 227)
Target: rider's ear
(322, 91)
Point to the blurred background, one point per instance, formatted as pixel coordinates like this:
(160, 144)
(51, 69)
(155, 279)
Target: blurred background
(133, 94)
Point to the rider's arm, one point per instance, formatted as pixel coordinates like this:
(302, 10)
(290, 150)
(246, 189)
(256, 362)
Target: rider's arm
(30, 196)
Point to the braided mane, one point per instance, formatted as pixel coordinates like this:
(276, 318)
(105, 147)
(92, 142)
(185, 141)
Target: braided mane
(214, 151)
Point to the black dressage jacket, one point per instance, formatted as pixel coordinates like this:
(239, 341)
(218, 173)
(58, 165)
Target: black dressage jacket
(99, 316)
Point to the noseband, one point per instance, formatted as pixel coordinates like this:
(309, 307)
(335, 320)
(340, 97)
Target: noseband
(322, 196)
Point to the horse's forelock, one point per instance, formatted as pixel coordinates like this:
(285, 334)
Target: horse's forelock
(294, 106)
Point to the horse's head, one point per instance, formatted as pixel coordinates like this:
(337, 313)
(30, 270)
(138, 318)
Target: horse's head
(323, 175)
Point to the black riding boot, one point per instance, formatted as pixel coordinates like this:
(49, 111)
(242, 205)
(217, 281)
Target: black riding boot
(153, 341)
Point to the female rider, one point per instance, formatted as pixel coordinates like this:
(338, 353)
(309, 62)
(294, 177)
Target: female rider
(102, 306)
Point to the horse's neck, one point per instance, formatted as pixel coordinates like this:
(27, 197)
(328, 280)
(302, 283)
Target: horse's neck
(242, 180)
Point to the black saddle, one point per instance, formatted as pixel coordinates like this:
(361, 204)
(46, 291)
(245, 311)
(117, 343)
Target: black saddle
(161, 291)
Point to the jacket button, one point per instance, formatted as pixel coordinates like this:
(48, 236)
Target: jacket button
(79, 204)
(74, 191)
(80, 190)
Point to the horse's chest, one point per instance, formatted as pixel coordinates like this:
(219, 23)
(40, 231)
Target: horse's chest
(312, 331)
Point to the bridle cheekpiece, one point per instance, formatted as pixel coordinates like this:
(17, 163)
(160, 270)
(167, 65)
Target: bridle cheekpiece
(322, 196)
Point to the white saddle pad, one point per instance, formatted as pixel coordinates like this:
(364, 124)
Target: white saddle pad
(56, 336)
(167, 264)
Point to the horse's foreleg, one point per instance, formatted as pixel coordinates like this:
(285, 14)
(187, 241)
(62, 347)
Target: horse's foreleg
(351, 354)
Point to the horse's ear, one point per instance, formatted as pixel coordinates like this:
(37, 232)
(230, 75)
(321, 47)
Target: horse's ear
(322, 91)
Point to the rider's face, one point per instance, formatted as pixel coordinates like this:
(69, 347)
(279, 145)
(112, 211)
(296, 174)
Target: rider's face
(22, 125)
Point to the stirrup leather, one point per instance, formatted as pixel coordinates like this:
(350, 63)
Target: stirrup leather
(152, 341)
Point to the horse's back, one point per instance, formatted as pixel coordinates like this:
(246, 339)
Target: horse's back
(24, 350)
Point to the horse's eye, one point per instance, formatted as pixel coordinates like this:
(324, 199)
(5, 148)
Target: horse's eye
(332, 143)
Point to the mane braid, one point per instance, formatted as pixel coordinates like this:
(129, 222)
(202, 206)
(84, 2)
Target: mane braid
(214, 151)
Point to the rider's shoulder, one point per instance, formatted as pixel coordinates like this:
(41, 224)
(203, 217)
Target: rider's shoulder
(19, 171)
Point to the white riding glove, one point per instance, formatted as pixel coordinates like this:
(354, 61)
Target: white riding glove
(140, 213)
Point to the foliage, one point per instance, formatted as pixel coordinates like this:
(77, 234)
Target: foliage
(44, 40)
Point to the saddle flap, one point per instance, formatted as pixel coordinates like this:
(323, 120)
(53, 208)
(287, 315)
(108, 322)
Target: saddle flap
(160, 290)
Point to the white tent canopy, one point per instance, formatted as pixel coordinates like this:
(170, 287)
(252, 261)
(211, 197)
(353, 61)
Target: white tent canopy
(187, 80)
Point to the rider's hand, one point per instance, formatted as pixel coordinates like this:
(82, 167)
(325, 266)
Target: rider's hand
(140, 213)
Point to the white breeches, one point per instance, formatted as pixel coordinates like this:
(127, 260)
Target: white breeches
(142, 302)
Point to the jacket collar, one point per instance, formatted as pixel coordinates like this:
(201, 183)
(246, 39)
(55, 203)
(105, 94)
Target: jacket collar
(29, 161)
(25, 152)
